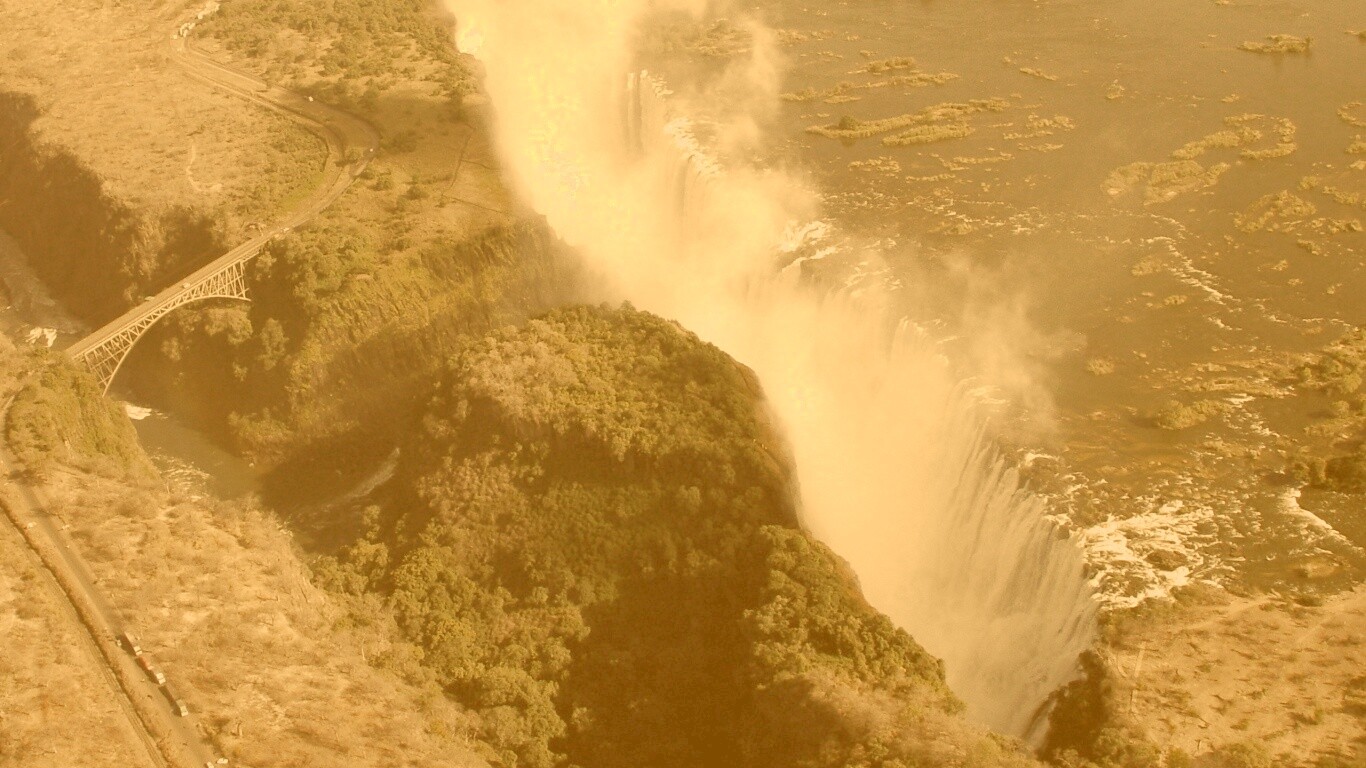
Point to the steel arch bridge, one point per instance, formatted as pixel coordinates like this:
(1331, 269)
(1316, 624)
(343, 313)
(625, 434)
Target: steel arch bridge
(104, 351)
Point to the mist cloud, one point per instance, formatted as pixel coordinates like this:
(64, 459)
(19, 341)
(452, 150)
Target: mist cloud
(894, 473)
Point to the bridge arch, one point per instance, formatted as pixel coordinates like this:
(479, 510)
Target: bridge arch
(104, 351)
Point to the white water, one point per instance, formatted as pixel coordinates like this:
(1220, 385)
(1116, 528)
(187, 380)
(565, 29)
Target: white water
(895, 474)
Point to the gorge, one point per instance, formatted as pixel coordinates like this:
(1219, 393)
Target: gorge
(683, 383)
(896, 472)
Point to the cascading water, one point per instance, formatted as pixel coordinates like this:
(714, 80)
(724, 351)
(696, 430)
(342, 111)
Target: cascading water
(895, 473)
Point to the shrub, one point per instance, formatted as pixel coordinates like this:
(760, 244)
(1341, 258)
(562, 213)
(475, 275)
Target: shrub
(64, 417)
(592, 540)
(1240, 754)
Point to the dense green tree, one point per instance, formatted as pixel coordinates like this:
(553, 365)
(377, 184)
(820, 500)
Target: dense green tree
(593, 539)
(61, 415)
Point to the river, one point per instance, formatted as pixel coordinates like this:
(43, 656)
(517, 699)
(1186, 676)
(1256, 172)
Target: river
(187, 458)
(1151, 211)
(1005, 233)
(1121, 205)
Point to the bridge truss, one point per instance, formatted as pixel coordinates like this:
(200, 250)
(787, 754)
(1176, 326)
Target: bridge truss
(104, 351)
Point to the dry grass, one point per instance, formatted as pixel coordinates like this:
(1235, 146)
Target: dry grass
(1255, 670)
(1279, 44)
(948, 119)
(276, 669)
(114, 97)
(1184, 173)
(56, 707)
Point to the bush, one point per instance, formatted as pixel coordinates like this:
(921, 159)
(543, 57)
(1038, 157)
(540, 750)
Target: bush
(1174, 415)
(592, 539)
(1347, 473)
(64, 417)
(1240, 755)
(400, 142)
(360, 46)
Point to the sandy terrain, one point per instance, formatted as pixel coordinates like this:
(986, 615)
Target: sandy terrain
(279, 672)
(158, 138)
(1256, 669)
(57, 706)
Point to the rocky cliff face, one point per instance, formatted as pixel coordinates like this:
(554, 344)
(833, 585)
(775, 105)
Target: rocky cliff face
(96, 254)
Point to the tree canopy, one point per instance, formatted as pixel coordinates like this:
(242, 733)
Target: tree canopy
(593, 539)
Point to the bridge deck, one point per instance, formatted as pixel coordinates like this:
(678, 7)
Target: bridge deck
(167, 297)
(339, 132)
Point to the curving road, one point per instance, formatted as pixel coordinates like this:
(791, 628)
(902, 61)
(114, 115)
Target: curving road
(171, 740)
(351, 143)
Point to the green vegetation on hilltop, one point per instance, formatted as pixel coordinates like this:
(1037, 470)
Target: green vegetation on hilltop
(593, 543)
(344, 337)
(631, 387)
(1088, 730)
(61, 415)
(348, 51)
(354, 312)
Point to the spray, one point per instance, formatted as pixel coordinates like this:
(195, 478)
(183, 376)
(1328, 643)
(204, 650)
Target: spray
(895, 473)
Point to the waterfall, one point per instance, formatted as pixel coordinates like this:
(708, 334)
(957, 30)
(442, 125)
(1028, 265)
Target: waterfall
(896, 474)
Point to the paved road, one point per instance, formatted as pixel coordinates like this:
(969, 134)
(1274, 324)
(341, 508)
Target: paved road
(342, 133)
(171, 740)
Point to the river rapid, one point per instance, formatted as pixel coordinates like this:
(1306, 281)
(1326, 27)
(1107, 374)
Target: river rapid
(897, 469)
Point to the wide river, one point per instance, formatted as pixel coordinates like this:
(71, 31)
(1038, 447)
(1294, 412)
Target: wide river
(1138, 209)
